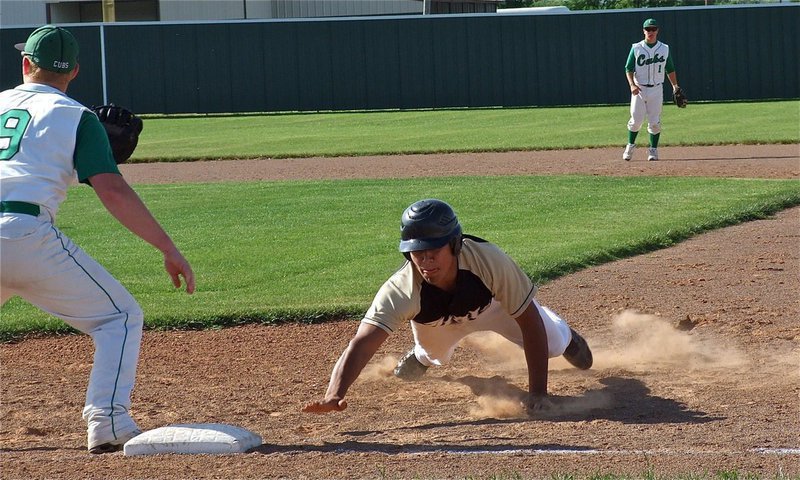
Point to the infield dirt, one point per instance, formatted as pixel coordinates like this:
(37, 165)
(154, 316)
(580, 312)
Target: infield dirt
(697, 360)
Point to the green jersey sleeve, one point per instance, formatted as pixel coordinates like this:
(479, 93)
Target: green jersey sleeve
(92, 150)
(630, 64)
(670, 67)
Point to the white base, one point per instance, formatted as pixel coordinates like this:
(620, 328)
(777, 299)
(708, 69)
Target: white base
(198, 438)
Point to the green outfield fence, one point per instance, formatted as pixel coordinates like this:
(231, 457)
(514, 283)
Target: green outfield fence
(722, 53)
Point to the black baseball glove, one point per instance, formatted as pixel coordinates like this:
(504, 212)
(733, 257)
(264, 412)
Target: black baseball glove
(680, 98)
(122, 127)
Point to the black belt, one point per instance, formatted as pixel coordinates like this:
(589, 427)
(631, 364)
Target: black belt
(651, 86)
(19, 207)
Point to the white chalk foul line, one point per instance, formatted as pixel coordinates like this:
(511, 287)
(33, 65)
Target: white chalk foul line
(778, 451)
(587, 451)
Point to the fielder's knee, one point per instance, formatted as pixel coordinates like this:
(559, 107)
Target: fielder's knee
(131, 317)
(135, 318)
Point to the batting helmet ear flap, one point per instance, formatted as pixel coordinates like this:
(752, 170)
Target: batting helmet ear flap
(455, 245)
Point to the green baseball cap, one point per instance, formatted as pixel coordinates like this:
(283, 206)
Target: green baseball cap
(51, 48)
(650, 22)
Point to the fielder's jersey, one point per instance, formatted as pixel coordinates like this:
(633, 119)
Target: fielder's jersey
(485, 275)
(47, 140)
(649, 63)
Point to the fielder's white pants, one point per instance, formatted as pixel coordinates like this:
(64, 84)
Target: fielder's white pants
(648, 104)
(435, 343)
(40, 264)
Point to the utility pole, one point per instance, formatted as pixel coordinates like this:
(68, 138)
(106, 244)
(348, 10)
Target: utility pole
(109, 14)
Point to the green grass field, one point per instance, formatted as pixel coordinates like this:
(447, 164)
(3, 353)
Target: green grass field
(313, 250)
(428, 131)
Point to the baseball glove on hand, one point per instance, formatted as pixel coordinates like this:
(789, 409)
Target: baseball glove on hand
(122, 127)
(680, 98)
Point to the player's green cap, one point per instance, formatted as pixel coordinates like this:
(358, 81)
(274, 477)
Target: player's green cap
(51, 48)
(650, 22)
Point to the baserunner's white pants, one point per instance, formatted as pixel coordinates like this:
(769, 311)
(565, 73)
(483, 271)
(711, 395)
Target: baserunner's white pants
(435, 343)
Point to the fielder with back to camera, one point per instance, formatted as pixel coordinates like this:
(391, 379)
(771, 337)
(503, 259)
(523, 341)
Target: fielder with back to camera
(47, 140)
(648, 62)
(451, 286)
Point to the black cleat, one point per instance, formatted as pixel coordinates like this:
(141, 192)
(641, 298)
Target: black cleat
(105, 448)
(578, 352)
(409, 368)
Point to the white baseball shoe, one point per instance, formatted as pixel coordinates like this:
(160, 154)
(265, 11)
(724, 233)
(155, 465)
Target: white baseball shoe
(628, 153)
(652, 154)
(113, 445)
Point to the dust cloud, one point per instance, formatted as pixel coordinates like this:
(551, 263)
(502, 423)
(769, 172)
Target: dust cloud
(503, 354)
(380, 369)
(642, 342)
(504, 405)
(499, 400)
(491, 406)
(634, 342)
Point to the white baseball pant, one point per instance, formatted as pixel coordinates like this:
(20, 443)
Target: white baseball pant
(648, 103)
(435, 344)
(40, 264)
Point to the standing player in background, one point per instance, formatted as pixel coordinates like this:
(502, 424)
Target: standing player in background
(648, 62)
(451, 286)
(47, 140)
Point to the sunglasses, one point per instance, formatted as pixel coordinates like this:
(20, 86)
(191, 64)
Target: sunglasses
(651, 29)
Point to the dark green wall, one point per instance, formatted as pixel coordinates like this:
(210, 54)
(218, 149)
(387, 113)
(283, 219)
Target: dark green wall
(721, 53)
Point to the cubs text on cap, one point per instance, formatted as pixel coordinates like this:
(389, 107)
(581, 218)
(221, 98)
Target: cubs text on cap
(51, 48)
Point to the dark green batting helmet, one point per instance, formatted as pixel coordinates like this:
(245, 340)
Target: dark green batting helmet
(429, 224)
